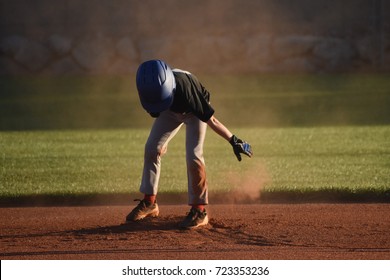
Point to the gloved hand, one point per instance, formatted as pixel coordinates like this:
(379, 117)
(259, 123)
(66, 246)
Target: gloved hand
(240, 147)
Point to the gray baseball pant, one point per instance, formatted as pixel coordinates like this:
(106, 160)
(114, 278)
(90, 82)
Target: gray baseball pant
(163, 130)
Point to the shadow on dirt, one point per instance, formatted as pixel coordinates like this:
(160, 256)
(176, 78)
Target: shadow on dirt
(148, 224)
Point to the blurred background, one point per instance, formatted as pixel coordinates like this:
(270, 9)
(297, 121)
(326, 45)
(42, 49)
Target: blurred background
(213, 36)
(71, 64)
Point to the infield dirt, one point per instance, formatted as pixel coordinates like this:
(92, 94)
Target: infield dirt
(254, 231)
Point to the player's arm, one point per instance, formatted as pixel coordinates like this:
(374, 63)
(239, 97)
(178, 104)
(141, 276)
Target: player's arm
(239, 146)
(219, 128)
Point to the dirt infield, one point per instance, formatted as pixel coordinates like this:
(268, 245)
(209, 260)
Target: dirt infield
(256, 231)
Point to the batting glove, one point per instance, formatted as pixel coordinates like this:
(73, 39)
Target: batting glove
(240, 147)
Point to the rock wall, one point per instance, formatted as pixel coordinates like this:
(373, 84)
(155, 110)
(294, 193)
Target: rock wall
(113, 37)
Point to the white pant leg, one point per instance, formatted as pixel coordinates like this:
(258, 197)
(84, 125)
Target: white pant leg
(163, 130)
(196, 171)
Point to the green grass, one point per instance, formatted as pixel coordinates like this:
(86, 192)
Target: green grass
(349, 160)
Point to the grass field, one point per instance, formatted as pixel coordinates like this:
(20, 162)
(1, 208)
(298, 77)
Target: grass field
(311, 135)
(345, 160)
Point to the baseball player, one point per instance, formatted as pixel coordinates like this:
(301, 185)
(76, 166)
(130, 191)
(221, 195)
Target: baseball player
(176, 97)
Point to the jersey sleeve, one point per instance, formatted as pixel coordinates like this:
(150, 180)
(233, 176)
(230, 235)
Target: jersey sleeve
(201, 105)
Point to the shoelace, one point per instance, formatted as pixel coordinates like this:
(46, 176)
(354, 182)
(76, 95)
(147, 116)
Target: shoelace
(140, 205)
(195, 213)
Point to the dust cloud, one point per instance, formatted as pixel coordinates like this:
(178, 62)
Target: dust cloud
(247, 184)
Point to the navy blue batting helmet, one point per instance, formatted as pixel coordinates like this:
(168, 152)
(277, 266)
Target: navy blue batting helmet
(156, 85)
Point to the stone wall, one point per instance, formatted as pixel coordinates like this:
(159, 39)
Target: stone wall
(113, 37)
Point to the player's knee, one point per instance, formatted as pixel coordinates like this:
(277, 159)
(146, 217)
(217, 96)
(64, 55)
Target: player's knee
(154, 152)
(194, 157)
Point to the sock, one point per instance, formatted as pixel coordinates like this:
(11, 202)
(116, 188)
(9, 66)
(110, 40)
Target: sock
(150, 198)
(198, 207)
